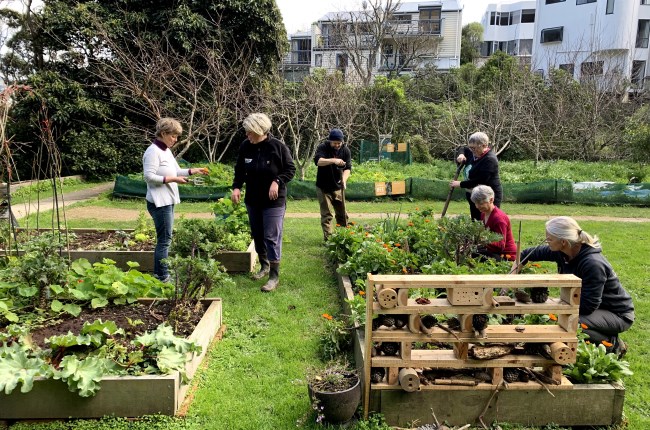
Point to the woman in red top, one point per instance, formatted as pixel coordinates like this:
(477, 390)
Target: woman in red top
(494, 220)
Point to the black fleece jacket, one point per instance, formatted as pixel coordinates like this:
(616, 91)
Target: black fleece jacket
(258, 165)
(601, 288)
(483, 170)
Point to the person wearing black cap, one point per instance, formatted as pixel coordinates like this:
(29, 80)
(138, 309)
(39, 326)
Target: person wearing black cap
(333, 159)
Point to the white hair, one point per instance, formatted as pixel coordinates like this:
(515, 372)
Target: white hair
(566, 228)
(479, 138)
(482, 193)
(257, 123)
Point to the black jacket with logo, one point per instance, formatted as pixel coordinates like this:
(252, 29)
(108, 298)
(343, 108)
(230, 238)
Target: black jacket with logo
(258, 165)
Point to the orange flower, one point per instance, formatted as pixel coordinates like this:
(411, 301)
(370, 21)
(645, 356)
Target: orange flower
(583, 326)
(351, 232)
(367, 234)
(352, 223)
(508, 256)
(327, 316)
(338, 225)
(404, 270)
(79, 281)
(587, 342)
(410, 224)
(397, 245)
(417, 209)
(362, 293)
(607, 344)
(552, 317)
(426, 220)
(536, 265)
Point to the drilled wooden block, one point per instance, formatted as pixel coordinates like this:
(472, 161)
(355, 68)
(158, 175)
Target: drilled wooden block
(469, 296)
(387, 298)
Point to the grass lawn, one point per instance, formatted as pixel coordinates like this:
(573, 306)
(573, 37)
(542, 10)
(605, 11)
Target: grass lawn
(254, 377)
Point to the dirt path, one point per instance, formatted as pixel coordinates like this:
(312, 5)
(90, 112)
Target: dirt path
(101, 213)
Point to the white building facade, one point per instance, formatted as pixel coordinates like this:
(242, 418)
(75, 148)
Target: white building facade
(593, 39)
(417, 34)
(509, 27)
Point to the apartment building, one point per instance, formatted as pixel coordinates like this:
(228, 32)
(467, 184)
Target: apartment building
(297, 63)
(509, 27)
(593, 39)
(362, 44)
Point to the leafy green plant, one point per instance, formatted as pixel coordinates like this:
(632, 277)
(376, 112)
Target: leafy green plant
(357, 306)
(144, 230)
(336, 337)
(233, 216)
(207, 237)
(595, 365)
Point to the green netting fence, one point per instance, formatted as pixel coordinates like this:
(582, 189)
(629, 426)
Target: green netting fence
(548, 191)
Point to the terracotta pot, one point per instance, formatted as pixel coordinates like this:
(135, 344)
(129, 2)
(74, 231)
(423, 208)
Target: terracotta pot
(340, 406)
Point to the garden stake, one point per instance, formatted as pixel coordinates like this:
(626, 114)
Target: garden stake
(451, 190)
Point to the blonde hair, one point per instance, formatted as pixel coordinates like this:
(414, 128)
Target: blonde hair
(257, 123)
(482, 193)
(566, 228)
(168, 126)
(479, 138)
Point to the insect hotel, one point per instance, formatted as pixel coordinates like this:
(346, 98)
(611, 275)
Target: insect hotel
(501, 372)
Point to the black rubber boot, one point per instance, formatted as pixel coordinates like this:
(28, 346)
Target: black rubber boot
(264, 269)
(274, 278)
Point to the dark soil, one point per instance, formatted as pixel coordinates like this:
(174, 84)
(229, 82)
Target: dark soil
(151, 317)
(108, 240)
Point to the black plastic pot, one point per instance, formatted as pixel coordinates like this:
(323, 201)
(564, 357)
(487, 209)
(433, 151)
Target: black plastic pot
(337, 407)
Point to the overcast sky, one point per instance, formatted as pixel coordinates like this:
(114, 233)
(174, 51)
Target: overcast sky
(299, 14)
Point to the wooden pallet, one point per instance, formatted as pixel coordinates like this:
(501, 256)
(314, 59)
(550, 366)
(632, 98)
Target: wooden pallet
(467, 295)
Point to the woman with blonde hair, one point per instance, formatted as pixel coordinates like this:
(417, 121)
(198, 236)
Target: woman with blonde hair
(606, 309)
(162, 175)
(265, 165)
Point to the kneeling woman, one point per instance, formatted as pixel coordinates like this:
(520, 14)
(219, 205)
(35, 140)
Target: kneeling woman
(494, 220)
(606, 309)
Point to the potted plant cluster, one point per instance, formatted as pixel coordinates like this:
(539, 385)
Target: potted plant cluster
(335, 393)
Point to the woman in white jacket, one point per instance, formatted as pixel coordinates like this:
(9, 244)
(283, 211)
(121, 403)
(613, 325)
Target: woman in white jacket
(162, 175)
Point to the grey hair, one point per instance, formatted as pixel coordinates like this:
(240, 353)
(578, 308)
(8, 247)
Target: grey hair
(482, 193)
(479, 138)
(168, 126)
(566, 228)
(257, 123)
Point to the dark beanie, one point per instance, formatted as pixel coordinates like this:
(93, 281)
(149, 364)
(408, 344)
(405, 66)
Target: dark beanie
(336, 135)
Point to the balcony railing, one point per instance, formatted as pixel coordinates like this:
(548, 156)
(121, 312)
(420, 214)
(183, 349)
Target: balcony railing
(300, 57)
(416, 27)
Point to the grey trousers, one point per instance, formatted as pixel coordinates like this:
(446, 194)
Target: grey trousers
(604, 325)
(331, 202)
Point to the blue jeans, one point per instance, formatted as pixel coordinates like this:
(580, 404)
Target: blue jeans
(163, 220)
(266, 228)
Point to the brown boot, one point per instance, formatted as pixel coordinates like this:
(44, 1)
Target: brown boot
(264, 269)
(274, 278)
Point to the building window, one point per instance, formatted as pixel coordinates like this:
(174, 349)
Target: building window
(341, 61)
(638, 74)
(526, 47)
(591, 68)
(552, 35)
(643, 33)
(493, 18)
(430, 21)
(554, 1)
(528, 16)
(505, 18)
(585, 1)
(609, 9)
(318, 60)
(515, 17)
(645, 1)
(513, 47)
(569, 68)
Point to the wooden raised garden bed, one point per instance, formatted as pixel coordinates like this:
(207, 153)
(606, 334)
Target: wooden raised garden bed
(517, 403)
(233, 261)
(120, 396)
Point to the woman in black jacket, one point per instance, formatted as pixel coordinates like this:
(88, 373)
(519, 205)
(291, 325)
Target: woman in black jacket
(265, 165)
(481, 168)
(606, 309)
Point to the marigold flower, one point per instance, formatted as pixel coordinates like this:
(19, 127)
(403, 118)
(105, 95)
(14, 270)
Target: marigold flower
(338, 225)
(552, 317)
(79, 281)
(607, 344)
(351, 232)
(327, 317)
(417, 209)
(410, 224)
(352, 223)
(536, 265)
(427, 220)
(587, 342)
(508, 256)
(583, 326)
(397, 245)
(404, 270)
(362, 293)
